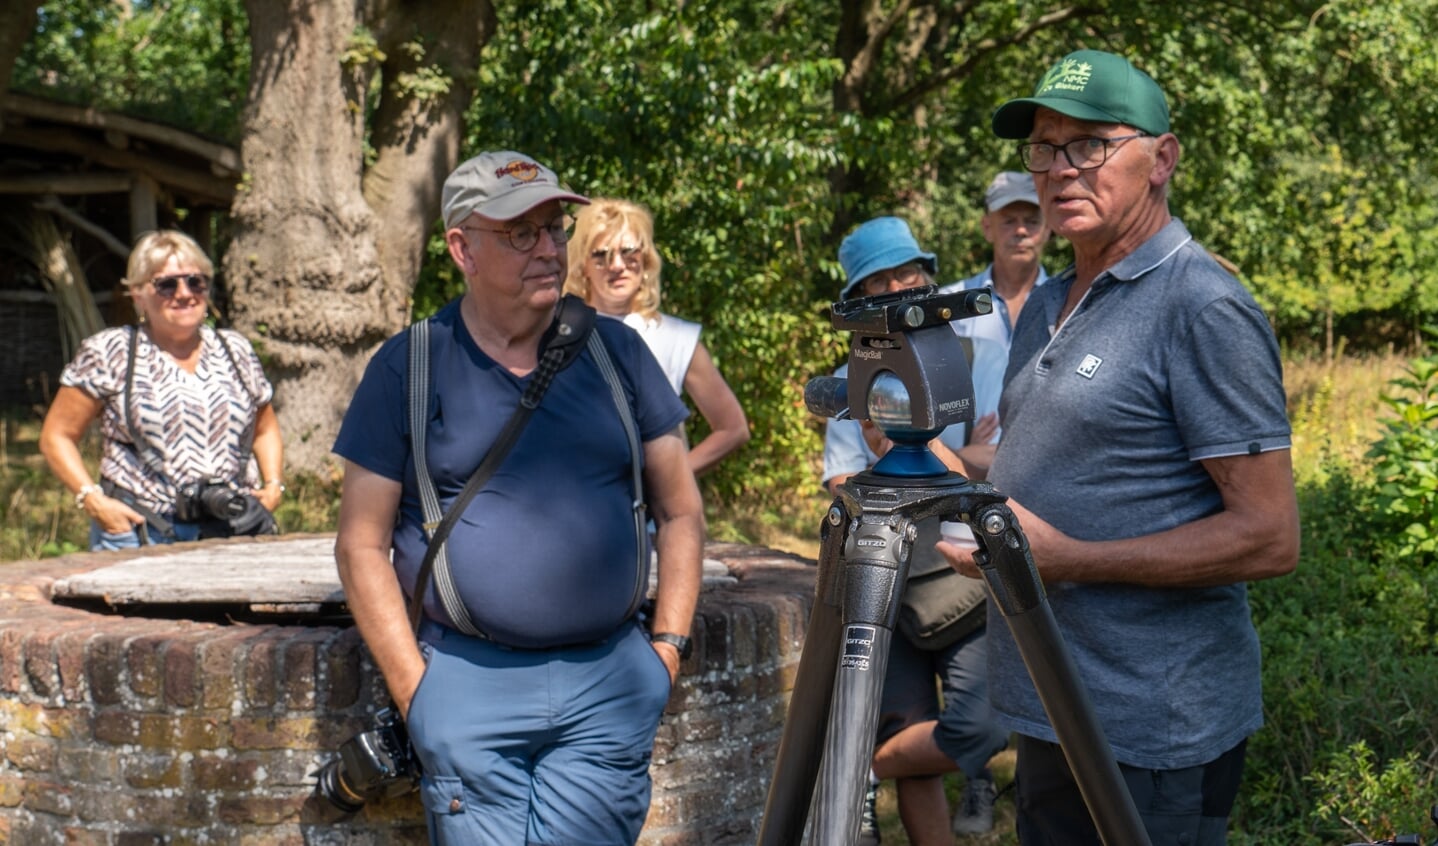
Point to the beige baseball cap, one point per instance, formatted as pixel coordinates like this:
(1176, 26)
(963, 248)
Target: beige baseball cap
(501, 186)
(1010, 187)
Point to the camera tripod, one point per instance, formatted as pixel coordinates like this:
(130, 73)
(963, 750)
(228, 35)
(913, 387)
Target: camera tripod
(866, 541)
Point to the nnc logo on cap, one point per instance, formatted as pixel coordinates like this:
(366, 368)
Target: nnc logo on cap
(1067, 75)
(521, 169)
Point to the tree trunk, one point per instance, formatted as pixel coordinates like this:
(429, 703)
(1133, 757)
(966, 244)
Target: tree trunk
(325, 250)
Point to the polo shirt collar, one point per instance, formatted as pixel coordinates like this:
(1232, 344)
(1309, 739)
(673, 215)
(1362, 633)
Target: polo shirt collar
(1159, 248)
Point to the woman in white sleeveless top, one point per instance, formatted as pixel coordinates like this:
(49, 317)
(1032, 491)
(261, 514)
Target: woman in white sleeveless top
(614, 266)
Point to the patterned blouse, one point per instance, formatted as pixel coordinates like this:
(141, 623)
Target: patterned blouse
(191, 426)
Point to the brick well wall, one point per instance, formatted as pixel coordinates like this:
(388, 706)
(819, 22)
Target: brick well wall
(121, 731)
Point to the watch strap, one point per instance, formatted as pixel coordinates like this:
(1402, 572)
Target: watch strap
(678, 641)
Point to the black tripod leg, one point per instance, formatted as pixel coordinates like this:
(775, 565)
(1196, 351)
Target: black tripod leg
(853, 724)
(1015, 586)
(801, 747)
(876, 561)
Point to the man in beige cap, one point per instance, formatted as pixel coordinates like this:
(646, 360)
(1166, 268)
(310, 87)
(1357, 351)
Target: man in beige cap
(532, 692)
(1013, 224)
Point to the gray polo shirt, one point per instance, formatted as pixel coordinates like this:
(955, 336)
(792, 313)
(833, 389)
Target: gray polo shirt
(1167, 360)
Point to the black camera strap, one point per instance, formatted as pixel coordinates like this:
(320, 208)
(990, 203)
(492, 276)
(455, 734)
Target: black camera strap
(561, 345)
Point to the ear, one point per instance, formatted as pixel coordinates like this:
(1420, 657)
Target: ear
(986, 226)
(459, 250)
(1165, 161)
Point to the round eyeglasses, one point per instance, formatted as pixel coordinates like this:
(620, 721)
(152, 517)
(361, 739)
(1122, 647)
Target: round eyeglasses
(524, 234)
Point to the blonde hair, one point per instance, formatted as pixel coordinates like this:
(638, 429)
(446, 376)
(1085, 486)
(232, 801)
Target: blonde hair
(601, 219)
(155, 248)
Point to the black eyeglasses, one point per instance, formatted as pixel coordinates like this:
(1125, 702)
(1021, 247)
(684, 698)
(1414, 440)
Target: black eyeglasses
(169, 286)
(602, 259)
(524, 234)
(907, 275)
(1083, 153)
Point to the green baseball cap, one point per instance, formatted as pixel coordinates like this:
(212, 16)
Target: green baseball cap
(1089, 85)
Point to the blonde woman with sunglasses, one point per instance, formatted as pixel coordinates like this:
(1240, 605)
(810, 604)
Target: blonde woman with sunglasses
(191, 444)
(614, 266)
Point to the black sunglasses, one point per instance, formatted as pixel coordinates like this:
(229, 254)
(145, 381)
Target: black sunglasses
(168, 286)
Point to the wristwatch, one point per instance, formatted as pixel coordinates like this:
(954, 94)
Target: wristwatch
(678, 641)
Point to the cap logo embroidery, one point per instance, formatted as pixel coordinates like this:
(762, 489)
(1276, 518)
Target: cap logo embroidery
(524, 171)
(1067, 75)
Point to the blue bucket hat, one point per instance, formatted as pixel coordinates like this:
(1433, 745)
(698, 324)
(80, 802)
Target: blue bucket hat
(880, 244)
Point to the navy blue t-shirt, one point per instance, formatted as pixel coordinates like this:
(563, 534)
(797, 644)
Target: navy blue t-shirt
(545, 554)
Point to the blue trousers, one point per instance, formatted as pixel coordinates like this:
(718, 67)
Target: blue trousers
(537, 747)
(967, 731)
(101, 540)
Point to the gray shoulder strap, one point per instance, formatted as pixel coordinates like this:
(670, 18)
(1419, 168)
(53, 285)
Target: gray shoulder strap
(636, 465)
(418, 396)
(428, 496)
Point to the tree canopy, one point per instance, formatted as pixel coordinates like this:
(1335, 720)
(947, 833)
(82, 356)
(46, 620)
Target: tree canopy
(760, 132)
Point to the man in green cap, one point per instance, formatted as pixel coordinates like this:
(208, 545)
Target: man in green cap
(1146, 450)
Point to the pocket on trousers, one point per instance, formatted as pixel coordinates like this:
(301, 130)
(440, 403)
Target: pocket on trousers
(447, 804)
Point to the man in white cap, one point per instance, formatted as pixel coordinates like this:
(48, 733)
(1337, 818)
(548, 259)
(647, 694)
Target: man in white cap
(1013, 224)
(532, 693)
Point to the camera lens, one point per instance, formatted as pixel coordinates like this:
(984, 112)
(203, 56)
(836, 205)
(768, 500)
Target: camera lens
(331, 785)
(223, 502)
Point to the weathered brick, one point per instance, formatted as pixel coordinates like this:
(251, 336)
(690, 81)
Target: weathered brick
(260, 810)
(12, 650)
(225, 772)
(86, 837)
(219, 661)
(32, 754)
(276, 733)
(151, 770)
(261, 681)
(105, 664)
(40, 671)
(87, 764)
(177, 810)
(289, 840)
(117, 727)
(48, 797)
(201, 732)
(301, 667)
(70, 663)
(342, 670)
(65, 723)
(180, 683)
(12, 791)
(143, 660)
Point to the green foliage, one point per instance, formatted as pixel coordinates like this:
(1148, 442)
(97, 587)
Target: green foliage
(1350, 658)
(1406, 463)
(424, 84)
(1371, 804)
(184, 64)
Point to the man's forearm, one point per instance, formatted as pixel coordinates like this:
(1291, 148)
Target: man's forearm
(373, 594)
(680, 544)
